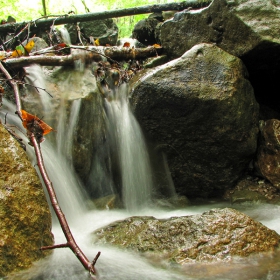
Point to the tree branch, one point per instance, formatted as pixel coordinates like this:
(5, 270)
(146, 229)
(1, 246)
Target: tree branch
(71, 243)
(15, 88)
(45, 23)
(93, 53)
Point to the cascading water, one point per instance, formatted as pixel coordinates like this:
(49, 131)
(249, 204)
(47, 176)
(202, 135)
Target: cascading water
(124, 136)
(136, 171)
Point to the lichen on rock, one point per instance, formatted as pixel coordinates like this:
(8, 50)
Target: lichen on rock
(216, 235)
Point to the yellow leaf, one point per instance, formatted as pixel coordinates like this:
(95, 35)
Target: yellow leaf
(16, 53)
(29, 46)
(96, 42)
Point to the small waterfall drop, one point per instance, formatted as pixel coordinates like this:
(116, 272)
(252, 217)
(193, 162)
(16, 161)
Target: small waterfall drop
(135, 167)
(35, 76)
(65, 35)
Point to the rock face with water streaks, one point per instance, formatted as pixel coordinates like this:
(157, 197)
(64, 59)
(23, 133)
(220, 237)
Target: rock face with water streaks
(201, 111)
(216, 235)
(268, 156)
(25, 219)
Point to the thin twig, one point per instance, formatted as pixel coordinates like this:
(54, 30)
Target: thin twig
(71, 243)
(17, 35)
(15, 88)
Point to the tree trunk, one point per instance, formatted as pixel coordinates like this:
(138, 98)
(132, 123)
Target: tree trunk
(46, 23)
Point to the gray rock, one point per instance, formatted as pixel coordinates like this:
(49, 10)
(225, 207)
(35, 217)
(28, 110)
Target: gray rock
(216, 235)
(237, 27)
(105, 30)
(201, 111)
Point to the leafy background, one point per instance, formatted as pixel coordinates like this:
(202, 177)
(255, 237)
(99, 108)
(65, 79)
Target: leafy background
(25, 10)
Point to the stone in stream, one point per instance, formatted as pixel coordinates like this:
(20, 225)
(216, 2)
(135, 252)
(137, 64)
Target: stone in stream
(215, 235)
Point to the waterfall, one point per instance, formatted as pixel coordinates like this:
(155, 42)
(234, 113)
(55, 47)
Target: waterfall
(126, 139)
(135, 167)
(125, 142)
(35, 76)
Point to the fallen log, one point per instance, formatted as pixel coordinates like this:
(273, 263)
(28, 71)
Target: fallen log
(88, 54)
(69, 18)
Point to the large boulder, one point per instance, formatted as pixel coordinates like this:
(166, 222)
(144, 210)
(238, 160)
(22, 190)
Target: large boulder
(201, 111)
(268, 155)
(216, 235)
(237, 27)
(249, 29)
(25, 219)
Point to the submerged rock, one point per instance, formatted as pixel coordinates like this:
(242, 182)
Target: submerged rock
(201, 111)
(216, 235)
(25, 219)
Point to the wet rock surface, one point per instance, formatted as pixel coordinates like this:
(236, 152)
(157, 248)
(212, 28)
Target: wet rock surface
(216, 235)
(268, 155)
(25, 219)
(247, 29)
(237, 27)
(201, 111)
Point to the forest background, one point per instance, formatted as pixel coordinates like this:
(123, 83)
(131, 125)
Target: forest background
(25, 10)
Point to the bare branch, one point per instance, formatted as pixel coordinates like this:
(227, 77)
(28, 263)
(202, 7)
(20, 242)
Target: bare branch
(94, 53)
(15, 88)
(71, 243)
(45, 23)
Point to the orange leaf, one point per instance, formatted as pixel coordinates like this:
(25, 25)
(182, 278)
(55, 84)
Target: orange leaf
(126, 44)
(60, 46)
(157, 46)
(31, 122)
(29, 46)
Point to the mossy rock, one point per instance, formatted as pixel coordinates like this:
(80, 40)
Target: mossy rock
(25, 219)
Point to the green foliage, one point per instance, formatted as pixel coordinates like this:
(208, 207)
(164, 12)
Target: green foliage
(20, 10)
(25, 10)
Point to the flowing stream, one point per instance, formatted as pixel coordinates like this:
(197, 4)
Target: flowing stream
(137, 192)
